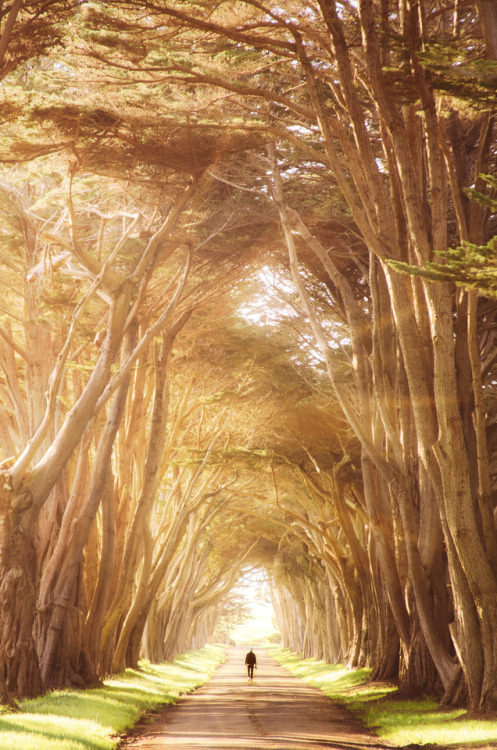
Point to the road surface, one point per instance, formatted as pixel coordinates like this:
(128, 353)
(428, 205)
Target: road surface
(274, 712)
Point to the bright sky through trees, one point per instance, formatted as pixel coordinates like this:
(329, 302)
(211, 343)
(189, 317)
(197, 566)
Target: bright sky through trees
(261, 621)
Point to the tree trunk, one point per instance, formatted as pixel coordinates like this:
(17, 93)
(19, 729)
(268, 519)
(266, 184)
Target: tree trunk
(488, 17)
(18, 658)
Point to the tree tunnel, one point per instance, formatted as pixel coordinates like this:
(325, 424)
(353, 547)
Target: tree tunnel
(248, 323)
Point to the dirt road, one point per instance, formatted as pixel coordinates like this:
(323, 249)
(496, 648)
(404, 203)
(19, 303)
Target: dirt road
(274, 712)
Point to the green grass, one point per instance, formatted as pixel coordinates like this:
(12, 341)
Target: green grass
(398, 722)
(97, 718)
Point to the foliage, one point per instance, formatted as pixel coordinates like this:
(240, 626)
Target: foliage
(469, 265)
(468, 77)
(233, 610)
(31, 28)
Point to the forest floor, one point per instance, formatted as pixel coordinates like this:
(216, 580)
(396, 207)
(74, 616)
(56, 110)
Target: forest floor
(276, 711)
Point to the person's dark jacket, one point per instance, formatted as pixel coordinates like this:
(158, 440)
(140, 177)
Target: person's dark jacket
(250, 658)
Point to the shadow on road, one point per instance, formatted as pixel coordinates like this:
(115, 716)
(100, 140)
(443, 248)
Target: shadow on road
(276, 711)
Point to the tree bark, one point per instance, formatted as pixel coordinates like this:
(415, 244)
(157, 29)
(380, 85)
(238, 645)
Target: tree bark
(18, 576)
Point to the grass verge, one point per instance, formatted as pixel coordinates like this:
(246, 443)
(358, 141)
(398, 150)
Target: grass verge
(396, 721)
(98, 717)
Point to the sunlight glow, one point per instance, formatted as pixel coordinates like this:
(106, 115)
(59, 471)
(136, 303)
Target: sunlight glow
(261, 624)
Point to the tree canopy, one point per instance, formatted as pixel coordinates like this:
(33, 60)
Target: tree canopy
(248, 322)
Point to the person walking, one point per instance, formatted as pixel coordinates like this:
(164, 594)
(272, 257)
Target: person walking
(251, 662)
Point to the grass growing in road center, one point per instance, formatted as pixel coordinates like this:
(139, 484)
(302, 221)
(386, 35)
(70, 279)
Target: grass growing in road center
(96, 718)
(399, 722)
